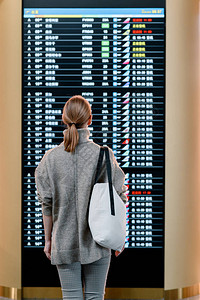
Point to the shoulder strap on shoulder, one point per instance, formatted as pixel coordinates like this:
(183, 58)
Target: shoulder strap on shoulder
(99, 164)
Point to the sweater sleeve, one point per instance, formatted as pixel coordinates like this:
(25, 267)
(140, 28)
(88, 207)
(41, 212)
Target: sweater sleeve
(118, 177)
(43, 188)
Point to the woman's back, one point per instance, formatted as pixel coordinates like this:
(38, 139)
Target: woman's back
(64, 181)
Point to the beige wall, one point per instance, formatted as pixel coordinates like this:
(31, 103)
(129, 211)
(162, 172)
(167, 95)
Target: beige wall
(182, 223)
(10, 143)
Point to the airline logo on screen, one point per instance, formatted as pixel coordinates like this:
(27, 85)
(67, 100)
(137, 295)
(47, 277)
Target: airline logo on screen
(115, 58)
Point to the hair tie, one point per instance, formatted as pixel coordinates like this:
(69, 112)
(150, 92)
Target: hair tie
(72, 123)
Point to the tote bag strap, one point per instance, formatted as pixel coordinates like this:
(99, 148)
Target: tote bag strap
(109, 173)
(112, 205)
(99, 164)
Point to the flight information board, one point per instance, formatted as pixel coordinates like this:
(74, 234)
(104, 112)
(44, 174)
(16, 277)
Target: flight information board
(115, 58)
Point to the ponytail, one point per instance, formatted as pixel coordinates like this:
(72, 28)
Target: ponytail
(76, 113)
(71, 138)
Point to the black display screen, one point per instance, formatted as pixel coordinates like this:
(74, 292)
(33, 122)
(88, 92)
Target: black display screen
(114, 56)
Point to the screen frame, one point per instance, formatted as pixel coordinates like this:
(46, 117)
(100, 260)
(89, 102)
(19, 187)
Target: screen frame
(113, 280)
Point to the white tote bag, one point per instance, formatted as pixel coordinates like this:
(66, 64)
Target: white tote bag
(107, 211)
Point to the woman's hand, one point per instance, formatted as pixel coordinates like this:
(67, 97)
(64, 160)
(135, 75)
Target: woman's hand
(117, 253)
(47, 249)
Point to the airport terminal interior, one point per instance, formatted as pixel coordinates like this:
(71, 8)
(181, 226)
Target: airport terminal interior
(137, 63)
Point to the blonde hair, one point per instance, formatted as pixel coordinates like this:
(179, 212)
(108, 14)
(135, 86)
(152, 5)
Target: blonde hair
(76, 113)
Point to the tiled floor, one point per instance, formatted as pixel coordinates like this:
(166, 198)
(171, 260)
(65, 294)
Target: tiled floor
(191, 298)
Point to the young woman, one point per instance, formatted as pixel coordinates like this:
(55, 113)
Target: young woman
(64, 179)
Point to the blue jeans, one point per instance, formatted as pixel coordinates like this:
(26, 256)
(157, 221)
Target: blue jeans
(94, 279)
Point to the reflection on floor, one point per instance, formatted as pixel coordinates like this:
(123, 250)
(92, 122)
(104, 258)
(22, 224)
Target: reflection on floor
(190, 298)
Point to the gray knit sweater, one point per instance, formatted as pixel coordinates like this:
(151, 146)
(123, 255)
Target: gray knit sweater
(64, 183)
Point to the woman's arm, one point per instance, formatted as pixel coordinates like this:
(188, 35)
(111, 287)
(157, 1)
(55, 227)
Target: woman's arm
(48, 224)
(44, 194)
